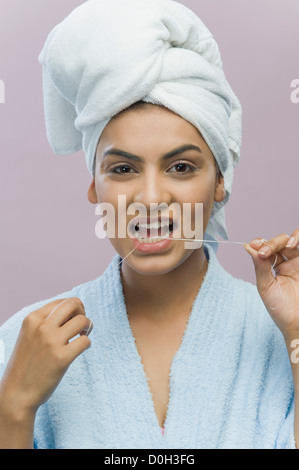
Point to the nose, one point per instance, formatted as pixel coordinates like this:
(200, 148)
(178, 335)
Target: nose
(152, 190)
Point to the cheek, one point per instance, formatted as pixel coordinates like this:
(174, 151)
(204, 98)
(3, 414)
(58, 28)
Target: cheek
(110, 191)
(116, 197)
(201, 190)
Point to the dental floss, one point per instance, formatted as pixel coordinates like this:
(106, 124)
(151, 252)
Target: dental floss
(218, 241)
(238, 243)
(206, 241)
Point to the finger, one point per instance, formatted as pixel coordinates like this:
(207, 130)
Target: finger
(256, 243)
(264, 275)
(269, 247)
(292, 247)
(80, 324)
(89, 330)
(276, 258)
(288, 268)
(65, 310)
(77, 347)
(43, 312)
(293, 241)
(290, 253)
(279, 244)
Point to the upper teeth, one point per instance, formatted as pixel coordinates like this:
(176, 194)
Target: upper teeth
(155, 224)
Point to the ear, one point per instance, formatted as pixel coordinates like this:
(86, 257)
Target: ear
(220, 192)
(91, 194)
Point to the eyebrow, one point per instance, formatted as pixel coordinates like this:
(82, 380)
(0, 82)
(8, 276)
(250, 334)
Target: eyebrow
(166, 156)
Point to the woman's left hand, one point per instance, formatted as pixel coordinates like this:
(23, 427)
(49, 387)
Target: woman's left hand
(279, 290)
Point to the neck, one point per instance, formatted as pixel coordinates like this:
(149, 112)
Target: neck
(164, 295)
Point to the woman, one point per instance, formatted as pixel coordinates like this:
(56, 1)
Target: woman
(177, 343)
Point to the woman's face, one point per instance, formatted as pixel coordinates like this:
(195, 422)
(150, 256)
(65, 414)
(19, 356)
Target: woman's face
(148, 175)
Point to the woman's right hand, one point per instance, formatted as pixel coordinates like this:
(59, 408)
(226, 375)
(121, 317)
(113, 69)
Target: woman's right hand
(43, 353)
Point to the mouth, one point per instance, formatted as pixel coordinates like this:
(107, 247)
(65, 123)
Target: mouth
(151, 231)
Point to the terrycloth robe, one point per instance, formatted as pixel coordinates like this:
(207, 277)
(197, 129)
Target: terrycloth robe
(231, 383)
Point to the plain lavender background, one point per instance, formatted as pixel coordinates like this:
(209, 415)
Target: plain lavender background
(47, 239)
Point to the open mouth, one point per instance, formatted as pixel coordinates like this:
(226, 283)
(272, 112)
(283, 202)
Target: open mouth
(152, 232)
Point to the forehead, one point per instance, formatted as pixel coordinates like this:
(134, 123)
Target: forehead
(149, 125)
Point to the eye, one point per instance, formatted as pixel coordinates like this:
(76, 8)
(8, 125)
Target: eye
(181, 167)
(120, 169)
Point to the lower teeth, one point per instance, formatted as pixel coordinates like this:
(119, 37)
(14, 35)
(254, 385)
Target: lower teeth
(149, 240)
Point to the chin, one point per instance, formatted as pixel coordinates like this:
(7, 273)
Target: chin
(158, 264)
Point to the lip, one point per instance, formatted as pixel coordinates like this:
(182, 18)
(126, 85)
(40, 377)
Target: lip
(154, 247)
(151, 247)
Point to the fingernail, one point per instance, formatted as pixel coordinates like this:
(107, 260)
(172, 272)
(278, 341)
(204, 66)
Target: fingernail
(265, 251)
(291, 242)
(256, 242)
(89, 328)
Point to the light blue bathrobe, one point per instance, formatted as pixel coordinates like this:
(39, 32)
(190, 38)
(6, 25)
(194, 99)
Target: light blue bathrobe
(231, 381)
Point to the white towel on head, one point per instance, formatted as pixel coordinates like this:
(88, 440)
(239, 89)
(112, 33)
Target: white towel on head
(106, 55)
